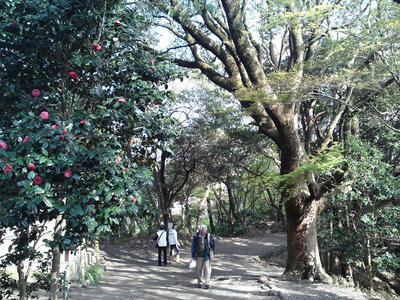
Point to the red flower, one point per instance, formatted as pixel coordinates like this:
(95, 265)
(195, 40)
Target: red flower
(65, 131)
(73, 75)
(31, 167)
(35, 93)
(55, 126)
(121, 100)
(96, 48)
(118, 159)
(37, 180)
(26, 139)
(116, 22)
(83, 122)
(142, 162)
(62, 137)
(131, 141)
(68, 173)
(151, 70)
(152, 62)
(44, 115)
(8, 168)
(3, 146)
(134, 200)
(5, 159)
(13, 22)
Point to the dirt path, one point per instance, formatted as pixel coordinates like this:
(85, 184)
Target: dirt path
(132, 273)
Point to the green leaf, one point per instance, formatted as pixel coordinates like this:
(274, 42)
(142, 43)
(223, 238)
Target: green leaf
(47, 202)
(44, 151)
(31, 175)
(38, 190)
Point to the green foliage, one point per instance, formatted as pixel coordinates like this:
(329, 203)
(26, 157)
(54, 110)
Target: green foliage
(7, 285)
(94, 274)
(78, 144)
(365, 209)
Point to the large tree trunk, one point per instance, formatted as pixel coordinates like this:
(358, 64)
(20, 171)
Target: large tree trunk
(303, 261)
(302, 211)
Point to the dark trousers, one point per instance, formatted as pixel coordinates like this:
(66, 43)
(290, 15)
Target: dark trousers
(164, 250)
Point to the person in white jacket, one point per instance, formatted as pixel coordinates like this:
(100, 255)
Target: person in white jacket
(173, 243)
(162, 244)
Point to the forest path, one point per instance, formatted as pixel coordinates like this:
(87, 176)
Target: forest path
(133, 274)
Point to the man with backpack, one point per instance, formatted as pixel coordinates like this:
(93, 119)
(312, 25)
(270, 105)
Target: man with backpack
(203, 246)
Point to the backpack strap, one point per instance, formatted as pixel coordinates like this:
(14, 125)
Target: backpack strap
(160, 236)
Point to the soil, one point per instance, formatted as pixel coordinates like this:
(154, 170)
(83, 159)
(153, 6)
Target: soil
(238, 272)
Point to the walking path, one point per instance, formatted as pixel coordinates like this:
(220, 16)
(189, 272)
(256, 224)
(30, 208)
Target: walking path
(133, 274)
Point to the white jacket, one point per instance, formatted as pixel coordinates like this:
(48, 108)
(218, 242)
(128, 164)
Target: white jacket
(173, 237)
(162, 238)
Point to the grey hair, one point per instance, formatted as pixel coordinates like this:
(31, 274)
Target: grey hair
(203, 227)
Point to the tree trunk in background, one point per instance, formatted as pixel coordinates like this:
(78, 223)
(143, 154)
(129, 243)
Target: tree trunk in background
(132, 227)
(55, 265)
(188, 218)
(202, 205)
(210, 215)
(22, 280)
(232, 204)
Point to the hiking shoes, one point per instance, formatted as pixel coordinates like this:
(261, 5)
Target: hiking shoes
(199, 285)
(207, 286)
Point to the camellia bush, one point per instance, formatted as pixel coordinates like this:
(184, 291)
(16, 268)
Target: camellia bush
(82, 114)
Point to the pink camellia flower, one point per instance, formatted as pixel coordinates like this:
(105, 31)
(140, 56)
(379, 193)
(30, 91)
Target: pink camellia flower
(118, 159)
(117, 22)
(131, 141)
(121, 100)
(151, 70)
(37, 180)
(3, 146)
(62, 137)
(68, 173)
(152, 62)
(134, 200)
(31, 167)
(96, 47)
(44, 115)
(26, 139)
(65, 131)
(13, 22)
(73, 75)
(83, 122)
(8, 168)
(35, 93)
(55, 126)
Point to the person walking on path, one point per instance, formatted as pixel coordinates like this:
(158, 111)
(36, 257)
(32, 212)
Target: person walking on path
(203, 246)
(173, 243)
(162, 244)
